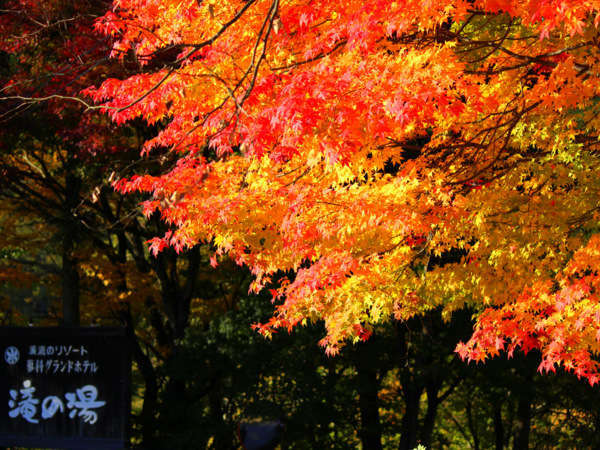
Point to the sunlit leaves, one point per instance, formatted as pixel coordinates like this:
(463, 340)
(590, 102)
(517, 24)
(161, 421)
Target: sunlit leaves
(388, 157)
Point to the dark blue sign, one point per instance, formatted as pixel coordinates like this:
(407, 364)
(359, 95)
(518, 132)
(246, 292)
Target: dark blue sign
(64, 387)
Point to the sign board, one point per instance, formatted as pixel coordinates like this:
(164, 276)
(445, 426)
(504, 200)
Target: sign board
(64, 387)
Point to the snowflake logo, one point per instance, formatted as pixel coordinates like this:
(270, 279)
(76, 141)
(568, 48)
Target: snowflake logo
(11, 355)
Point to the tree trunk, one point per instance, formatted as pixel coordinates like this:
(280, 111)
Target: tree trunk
(523, 419)
(149, 407)
(70, 284)
(368, 388)
(70, 275)
(223, 438)
(411, 392)
(432, 390)
(472, 424)
(410, 420)
(498, 426)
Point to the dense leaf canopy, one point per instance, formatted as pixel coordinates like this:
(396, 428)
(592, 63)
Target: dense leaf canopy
(388, 157)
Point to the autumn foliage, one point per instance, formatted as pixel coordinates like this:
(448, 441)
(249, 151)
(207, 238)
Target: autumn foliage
(378, 159)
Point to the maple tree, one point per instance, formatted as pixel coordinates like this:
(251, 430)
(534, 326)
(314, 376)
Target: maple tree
(356, 145)
(392, 207)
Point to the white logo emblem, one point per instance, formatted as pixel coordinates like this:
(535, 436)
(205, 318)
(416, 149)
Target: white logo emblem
(11, 355)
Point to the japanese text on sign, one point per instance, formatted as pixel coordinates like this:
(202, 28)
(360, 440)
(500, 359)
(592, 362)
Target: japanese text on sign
(81, 403)
(55, 366)
(52, 359)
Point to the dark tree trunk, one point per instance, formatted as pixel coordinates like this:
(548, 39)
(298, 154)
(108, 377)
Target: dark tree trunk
(432, 390)
(411, 391)
(70, 275)
(472, 424)
(70, 284)
(147, 416)
(368, 388)
(223, 437)
(523, 419)
(498, 426)
(177, 295)
(410, 419)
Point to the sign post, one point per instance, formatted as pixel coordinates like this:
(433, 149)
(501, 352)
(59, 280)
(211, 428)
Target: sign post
(64, 387)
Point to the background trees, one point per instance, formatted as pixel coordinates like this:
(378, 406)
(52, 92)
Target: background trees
(363, 161)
